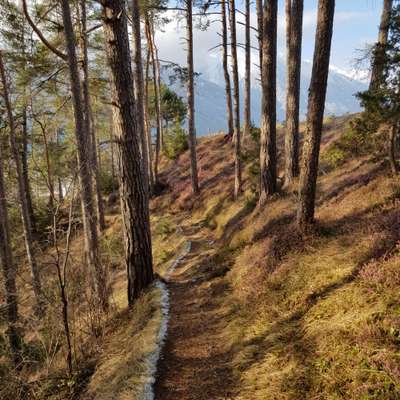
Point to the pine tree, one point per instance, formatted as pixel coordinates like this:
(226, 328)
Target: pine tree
(190, 98)
(236, 102)
(134, 193)
(268, 156)
(228, 93)
(294, 27)
(315, 114)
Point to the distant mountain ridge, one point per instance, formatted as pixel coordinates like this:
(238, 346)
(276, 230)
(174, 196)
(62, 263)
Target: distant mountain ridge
(210, 94)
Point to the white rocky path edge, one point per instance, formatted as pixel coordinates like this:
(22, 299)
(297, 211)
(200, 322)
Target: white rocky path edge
(152, 360)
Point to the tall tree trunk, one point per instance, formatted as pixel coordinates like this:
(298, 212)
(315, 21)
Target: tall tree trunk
(268, 157)
(247, 80)
(147, 125)
(315, 114)
(60, 187)
(157, 96)
(190, 98)
(392, 144)
(22, 190)
(158, 77)
(25, 169)
(139, 87)
(50, 181)
(112, 139)
(259, 11)
(24, 150)
(9, 272)
(294, 31)
(228, 93)
(84, 163)
(236, 104)
(88, 117)
(378, 58)
(134, 194)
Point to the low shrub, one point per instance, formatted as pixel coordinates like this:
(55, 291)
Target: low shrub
(175, 142)
(359, 138)
(107, 183)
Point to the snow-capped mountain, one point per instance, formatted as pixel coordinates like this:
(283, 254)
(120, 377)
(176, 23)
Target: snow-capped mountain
(211, 104)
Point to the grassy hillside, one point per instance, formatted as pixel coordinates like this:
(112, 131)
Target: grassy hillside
(268, 314)
(314, 317)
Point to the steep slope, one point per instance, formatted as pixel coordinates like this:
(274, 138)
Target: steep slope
(301, 318)
(256, 310)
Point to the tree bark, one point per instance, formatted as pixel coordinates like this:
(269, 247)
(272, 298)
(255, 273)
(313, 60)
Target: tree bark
(393, 134)
(315, 114)
(50, 181)
(22, 190)
(134, 194)
(190, 98)
(236, 104)
(294, 31)
(139, 88)
(228, 93)
(150, 41)
(260, 35)
(247, 80)
(378, 57)
(60, 187)
(9, 272)
(84, 163)
(88, 117)
(25, 170)
(147, 124)
(268, 157)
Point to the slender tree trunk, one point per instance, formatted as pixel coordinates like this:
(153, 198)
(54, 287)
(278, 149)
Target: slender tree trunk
(190, 98)
(22, 190)
(378, 58)
(228, 93)
(112, 139)
(393, 134)
(147, 125)
(24, 153)
(247, 80)
(134, 194)
(294, 28)
(9, 272)
(150, 41)
(62, 279)
(315, 114)
(259, 11)
(25, 169)
(139, 87)
(50, 181)
(158, 77)
(236, 104)
(60, 187)
(84, 163)
(88, 117)
(268, 157)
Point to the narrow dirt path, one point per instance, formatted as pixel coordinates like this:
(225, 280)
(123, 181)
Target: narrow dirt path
(194, 363)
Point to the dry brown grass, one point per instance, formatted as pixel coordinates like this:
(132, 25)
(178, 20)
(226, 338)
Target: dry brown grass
(317, 317)
(130, 339)
(304, 318)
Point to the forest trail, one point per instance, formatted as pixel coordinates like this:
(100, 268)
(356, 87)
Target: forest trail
(194, 363)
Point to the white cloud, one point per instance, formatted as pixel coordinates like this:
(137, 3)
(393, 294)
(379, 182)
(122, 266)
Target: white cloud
(171, 43)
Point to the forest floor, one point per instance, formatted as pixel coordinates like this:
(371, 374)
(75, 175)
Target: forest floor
(194, 363)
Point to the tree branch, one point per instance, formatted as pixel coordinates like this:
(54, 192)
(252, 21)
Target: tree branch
(40, 34)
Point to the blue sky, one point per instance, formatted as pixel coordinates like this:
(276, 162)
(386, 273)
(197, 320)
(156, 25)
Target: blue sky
(356, 25)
